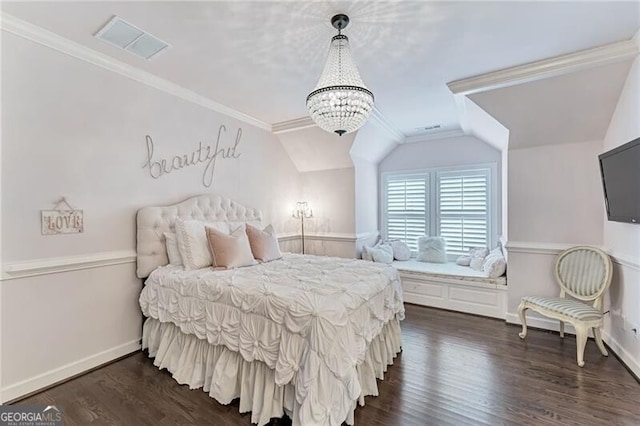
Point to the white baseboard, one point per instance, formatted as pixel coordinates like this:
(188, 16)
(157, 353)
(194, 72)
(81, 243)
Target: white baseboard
(49, 378)
(553, 325)
(632, 363)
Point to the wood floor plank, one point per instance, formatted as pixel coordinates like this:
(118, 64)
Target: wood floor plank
(455, 369)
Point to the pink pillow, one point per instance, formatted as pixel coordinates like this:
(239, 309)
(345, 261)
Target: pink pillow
(264, 243)
(230, 251)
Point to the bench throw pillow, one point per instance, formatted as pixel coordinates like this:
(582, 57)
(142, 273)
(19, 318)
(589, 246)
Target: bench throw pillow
(432, 249)
(382, 253)
(401, 250)
(495, 265)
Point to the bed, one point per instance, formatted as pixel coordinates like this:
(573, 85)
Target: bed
(303, 335)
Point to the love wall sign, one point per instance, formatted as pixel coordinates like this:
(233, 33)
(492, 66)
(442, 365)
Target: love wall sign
(59, 221)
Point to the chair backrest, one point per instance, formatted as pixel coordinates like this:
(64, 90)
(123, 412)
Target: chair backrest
(583, 272)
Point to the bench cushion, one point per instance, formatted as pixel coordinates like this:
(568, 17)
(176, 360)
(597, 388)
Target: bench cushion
(447, 270)
(571, 308)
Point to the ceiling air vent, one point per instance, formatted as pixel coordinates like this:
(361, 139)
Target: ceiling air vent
(119, 32)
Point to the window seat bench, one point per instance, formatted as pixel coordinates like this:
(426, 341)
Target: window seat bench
(453, 287)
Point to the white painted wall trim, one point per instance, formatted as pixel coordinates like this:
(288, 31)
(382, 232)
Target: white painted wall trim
(54, 265)
(387, 125)
(546, 68)
(345, 238)
(288, 237)
(623, 354)
(292, 125)
(49, 39)
(553, 249)
(306, 122)
(66, 371)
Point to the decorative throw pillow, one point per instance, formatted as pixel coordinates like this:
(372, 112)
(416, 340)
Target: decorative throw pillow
(477, 263)
(478, 252)
(367, 253)
(264, 243)
(495, 265)
(232, 250)
(193, 244)
(463, 260)
(432, 249)
(173, 253)
(401, 250)
(382, 253)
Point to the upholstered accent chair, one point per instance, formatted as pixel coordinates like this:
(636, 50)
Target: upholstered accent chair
(584, 274)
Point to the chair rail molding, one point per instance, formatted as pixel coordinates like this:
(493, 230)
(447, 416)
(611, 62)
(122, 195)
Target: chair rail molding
(553, 249)
(54, 41)
(545, 68)
(53, 265)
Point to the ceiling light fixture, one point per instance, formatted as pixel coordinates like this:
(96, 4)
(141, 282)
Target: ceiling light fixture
(340, 103)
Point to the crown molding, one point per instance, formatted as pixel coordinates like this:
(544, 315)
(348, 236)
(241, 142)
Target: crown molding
(61, 44)
(292, 125)
(445, 134)
(307, 122)
(387, 125)
(551, 67)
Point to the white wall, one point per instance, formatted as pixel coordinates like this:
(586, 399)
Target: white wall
(623, 239)
(454, 151)
(366, 196)
(555, 194)
(555, 201)
(71, 128)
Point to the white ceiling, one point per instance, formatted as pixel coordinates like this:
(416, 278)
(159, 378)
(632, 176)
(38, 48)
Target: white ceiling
(263, 58)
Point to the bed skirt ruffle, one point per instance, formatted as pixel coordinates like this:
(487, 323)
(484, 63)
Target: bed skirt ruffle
(225, 375)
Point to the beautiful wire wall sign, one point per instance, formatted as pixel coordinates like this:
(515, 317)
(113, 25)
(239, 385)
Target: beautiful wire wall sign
(62, 221)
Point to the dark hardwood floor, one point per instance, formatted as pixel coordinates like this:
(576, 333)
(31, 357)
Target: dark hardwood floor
(455, 369)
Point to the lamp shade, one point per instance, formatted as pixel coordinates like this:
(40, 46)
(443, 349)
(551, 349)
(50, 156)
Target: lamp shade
(340, 103)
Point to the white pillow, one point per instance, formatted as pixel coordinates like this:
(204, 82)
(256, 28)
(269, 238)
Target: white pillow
(193, 244)
(367, 253)
(464, 260)
(172, 249)
(477, 263)
(478, 252)
(495, 265)
(382, 254)
(401, 250)
(432, 249)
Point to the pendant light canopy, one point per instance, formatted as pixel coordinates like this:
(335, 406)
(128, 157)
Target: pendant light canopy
(340, 103)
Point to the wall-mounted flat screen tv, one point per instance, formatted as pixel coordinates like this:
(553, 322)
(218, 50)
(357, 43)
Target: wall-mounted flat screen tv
(620, 170)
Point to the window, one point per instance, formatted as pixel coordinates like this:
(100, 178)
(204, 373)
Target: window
(454, 204)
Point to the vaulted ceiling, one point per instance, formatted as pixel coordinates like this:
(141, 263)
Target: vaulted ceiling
(263, 58)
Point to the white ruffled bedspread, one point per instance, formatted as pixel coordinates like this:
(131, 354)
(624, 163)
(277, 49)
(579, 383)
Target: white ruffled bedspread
(310, 319)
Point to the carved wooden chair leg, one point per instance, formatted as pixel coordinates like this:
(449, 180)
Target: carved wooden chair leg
(598, 336)
(523, 319)
(562, 329)
(581, 342)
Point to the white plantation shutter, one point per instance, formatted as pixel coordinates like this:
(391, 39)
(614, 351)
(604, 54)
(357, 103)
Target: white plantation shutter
(463, 209)
(406, 207)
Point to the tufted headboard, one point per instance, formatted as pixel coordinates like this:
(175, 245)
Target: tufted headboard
(153, 222)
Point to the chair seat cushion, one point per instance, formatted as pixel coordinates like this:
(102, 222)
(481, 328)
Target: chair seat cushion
(571, 308)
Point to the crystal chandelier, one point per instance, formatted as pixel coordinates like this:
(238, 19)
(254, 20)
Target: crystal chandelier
(341, 102)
